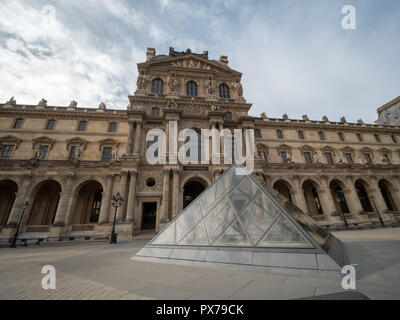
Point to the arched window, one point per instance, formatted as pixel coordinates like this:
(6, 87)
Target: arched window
(228, 116)
(155, 112)
(157, 86)
(112, 127)
(363, 197)
(191, 89)
(224, 91)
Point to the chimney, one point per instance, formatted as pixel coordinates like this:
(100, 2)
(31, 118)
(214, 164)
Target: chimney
(223, 59)
(151, 52)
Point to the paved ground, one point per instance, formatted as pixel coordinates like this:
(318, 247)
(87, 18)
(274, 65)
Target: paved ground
(96, 270)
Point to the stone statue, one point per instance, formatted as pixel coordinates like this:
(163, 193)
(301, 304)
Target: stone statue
(343, 120)
(12, 101)
(215, 108)
(360, 121)
(211, 86)
(325, 118)
(305, 117)
(102, 106)
(263, 116)
(315, 157)
(172, 83)
(237, 86)
(191, 64)
(285, 117)
(385, 159)
(79, 152)
(114, 153)
(37, 152)
(42, 103)
(363, 158)
(73, 104)
(141, 81)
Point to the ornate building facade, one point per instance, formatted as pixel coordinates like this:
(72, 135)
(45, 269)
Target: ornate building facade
(68, 162)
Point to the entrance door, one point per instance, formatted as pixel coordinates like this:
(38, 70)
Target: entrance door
(149, 215)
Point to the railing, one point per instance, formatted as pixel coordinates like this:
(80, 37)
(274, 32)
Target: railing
(37, 228)
(83, 227)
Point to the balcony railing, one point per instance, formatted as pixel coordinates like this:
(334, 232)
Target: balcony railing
(37, 228)
(83, 227)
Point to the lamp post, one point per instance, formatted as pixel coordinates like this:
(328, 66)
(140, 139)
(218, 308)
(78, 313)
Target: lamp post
(14, 239)
(379, 215)
(116, 202)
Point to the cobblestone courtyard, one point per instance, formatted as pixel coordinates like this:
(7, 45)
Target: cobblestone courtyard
(97, 270)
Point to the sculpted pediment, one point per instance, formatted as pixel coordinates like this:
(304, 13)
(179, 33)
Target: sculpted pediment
(192, 62)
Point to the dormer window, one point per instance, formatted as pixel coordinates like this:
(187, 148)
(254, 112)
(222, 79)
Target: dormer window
(82, 125)
(51, 124)
(224, 91)
(191, 89)
(157, 86)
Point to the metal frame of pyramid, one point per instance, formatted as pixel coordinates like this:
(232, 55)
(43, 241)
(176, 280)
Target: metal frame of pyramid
(237, 223)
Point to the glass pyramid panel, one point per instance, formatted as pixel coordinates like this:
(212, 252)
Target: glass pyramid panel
(188, 219)
(234, 211)
(167, 236)
(284, 234)
(218, 219)
(234, 236)
(198, 236)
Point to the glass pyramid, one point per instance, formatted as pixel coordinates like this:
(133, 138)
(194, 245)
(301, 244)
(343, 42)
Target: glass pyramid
(235, 211)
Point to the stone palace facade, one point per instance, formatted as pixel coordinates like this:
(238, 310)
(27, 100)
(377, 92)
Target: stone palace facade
(68, 162)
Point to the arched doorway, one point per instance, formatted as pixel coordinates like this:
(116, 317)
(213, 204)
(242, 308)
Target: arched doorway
(339, 197)
(312, 199)
(387, 195)
(191, 191)
(45, 203)
(283, 188)
(88, 203)
(363, 196)
(8, 189)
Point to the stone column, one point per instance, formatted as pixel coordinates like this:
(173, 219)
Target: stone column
(131, 197)
(215, 157)
(164, 216)
(129, 148)
(65, 203)
(138, 133)
(298, 196)
(122, 191)
(222, 144)
(327, 201)
(378, 199)
(353, 202)
(106, 200)
(175, 192)
(20, 198)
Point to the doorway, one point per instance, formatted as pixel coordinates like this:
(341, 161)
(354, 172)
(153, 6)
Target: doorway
(149, 215)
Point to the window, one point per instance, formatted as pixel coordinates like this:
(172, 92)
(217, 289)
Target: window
(72, 153)
(51, 124)
(153, 139)
(43, 152)
(18, 123)
(112, 127)
(7, 151)
(224, 91)
(348, 158)
(316, 200)
(82, 125)
(284, 157)
(96, 204)
(321, 135)
(394, 139)
(257, 133)
(228, 116)
(341, 137)
(328, 157)
(364, 200)
(106, 156)
(307, 157)
(157, 86)
(155, 112)
(359, 137)
(191, 89)
(377, 138)
(368, 158)
(279, 134)
(341, 199)
(301, 135)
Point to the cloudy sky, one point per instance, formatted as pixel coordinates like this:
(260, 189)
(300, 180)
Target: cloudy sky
(294, 55)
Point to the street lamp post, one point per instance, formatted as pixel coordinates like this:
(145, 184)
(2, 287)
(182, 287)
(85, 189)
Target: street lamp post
(14, 239)
(377, 211)
(116, 202)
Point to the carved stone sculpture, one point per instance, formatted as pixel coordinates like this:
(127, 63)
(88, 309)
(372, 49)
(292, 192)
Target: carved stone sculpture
(102, 106)
(315, 157)
(211, 86)
(42, 103)
(325, 118)
(11, 101)
(114, 153)
(343, 120)
(305, 117)
(237, 86)
(285, 117)
(73, 104)
(172, 83)
(141, 81)
(263, 116)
